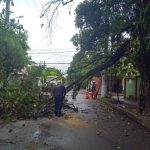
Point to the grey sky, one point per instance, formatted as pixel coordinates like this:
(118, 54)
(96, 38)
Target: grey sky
(63, 30)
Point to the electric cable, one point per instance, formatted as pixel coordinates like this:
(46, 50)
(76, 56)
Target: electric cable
(52, 52)
(30, 8)
(36, 7)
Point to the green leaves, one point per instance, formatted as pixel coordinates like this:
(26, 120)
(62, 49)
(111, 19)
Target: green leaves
(51, 72)
(124, 68)
(21, 99)
(104, 26)
(13, 50)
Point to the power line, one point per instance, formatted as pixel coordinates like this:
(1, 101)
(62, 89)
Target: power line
(30, 8)
(54, 54)
(57, 63)
(51, 52)
(36, 7)
(50, 49)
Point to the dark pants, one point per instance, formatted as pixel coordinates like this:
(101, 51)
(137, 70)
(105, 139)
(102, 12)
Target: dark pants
(58, 105)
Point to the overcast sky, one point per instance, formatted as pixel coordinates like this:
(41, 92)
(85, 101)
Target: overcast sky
(39, 42)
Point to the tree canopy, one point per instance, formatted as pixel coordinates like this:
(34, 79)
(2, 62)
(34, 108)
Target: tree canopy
(104, 26)
(13, 49)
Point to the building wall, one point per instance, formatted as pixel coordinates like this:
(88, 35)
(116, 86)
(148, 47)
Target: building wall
(132, 88)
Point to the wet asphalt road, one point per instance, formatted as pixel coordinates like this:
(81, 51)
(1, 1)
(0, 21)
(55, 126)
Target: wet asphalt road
(94, 127)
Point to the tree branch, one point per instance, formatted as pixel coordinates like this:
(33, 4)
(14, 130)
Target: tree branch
(108, 62)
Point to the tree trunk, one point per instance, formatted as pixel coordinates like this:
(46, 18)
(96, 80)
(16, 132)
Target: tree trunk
(144, 104)
(117, 90)
(144, 68)
(104, 84)
(142, 11)
(147, 96)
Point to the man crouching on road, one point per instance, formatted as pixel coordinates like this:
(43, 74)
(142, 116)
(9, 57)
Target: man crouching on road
(59, 95)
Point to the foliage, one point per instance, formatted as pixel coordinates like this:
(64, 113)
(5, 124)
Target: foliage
(35, 71)
(53, 72)
(91, 28)
(84, 84)
(124, 68)
(107, 25)
(19, 95)
(123, 19)
(92, 31)
(20, 99)
(13, 50)
(102, 27)
(78, 67)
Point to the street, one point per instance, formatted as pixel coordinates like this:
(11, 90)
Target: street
(94, 127)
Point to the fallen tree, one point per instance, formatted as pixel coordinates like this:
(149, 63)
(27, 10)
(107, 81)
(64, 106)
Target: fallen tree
(107, 63)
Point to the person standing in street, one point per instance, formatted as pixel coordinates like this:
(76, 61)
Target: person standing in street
(75, 90)
(93, 89)
(59, 95)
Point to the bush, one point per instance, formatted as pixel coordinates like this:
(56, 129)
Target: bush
(21, 100)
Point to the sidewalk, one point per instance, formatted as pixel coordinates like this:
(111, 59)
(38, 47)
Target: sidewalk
(130, 109)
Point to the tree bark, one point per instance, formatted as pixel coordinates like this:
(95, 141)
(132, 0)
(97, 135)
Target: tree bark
(7, 12)
(144, 68)
(143, 56)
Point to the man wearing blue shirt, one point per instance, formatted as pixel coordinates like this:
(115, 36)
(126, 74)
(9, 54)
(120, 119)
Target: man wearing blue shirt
(59, 95)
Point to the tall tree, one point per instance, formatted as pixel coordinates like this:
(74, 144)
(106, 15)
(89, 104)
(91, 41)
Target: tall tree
(93, 30)
(13, 49)
(142, 19)
(127, 19)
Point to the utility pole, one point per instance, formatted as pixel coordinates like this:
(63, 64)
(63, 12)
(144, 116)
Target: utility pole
(7, 12)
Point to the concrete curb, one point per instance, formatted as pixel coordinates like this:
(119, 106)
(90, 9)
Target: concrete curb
(131, 115)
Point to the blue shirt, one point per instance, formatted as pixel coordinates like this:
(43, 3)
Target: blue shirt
(59, 91)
